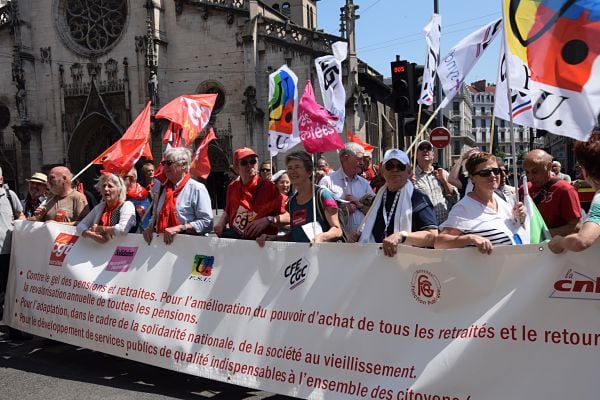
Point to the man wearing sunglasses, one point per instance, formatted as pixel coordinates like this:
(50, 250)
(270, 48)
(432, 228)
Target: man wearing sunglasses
(265, 170)
(399, 213)
(347, 184)
(434, 182)
(252, 204)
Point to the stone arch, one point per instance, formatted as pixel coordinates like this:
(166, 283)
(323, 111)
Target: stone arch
(93, 134)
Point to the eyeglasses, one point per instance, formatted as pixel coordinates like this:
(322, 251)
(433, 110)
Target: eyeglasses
(252, 161)
(484, 173)
(392, 165)
(168, 163)
(264, 169)
(425, 147)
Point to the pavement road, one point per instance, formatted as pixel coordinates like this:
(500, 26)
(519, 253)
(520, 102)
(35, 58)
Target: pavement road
(43, 369)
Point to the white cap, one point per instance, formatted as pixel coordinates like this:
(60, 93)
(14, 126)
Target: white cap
(396, 155)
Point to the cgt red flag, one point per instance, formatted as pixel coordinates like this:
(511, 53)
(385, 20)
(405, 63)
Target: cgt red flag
(124, 153)
(200, 162)
(188, 114)
(368, 148)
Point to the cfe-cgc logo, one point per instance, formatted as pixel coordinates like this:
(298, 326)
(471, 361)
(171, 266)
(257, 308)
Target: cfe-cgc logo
(62, 246)
(202, 268)
(296, 272)
(425, 287)
(576, 285)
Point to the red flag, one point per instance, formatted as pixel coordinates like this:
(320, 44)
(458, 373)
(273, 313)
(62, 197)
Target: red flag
(368, 148)
(316, 124)
(200, 163)
(124, 153)
(189, 114)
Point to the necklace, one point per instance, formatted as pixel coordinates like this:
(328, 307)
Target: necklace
(387, 215)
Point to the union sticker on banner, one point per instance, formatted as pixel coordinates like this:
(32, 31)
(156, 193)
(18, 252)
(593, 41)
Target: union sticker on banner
(283, 110)
(121, 259)
(63, 244)
(329, 72)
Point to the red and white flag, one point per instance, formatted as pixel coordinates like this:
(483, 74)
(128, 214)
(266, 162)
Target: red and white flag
(188, 114)
(200, 162)
(368, 148)
(316, 125)
(124, 153)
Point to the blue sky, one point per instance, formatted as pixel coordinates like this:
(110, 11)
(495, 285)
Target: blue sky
(389, 27)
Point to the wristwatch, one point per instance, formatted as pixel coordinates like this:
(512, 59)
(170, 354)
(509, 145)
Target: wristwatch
(404, 236)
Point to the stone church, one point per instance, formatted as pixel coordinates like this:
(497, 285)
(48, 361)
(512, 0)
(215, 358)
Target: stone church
(77, 72)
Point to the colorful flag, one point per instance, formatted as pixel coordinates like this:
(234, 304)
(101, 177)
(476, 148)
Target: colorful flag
(329, 72)
(552, 50)
(317, 126)
(455, 67)
(283, 110)
(432, 32)
(200, 162)
(368, 148)
(124, 153)
(536, 230)
(188, 114)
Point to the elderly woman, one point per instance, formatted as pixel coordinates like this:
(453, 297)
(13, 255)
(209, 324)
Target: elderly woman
(587, 154)
(481, 218)
(282, 181)
(299, 209)
(112, 216)
(182, 204)
(399, 214)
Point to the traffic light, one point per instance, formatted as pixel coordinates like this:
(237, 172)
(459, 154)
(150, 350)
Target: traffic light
(401, 72)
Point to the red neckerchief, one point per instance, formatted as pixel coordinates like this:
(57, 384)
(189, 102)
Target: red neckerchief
(137, 193)
(167, 216)
(105, 217)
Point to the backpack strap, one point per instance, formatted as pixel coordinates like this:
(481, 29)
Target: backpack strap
(542, 193)
(11, 200)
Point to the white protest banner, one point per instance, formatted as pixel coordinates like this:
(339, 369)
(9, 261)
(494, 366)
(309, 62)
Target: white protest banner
(432, 32)
(329, 321)
(283, 110)
(459, 61)
(329, 72)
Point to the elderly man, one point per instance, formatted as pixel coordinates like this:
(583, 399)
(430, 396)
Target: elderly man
(65, 205)
(434, 182)
(556, 166)
(556, 200)
(400, 214)
(252, 204)
(147, 180)
(182, 205)
(347, 184)
(36, 193)
(10, 210)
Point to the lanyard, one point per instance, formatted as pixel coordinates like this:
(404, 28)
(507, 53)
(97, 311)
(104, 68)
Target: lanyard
(387, 215)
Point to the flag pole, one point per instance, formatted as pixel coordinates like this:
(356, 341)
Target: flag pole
(314, 201)
(416, 132)
(82, 171)
(422, 131)
(494, 112)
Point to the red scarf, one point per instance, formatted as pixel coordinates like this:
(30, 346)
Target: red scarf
(105, 217)
(138, 192)
(167, 216)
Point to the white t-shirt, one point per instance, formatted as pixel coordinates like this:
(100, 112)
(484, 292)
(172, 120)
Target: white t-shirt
(471, 217)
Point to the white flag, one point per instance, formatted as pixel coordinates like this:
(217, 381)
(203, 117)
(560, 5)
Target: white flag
(283, 110)
(455, 67)
(432, 35)
(329, 72)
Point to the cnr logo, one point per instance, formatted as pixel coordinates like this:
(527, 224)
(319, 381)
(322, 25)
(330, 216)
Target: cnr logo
(580, 286)
(576, 285)
(296, 272)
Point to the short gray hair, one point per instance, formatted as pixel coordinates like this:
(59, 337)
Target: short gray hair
(351, 148)
(179, 154)
(115, 179)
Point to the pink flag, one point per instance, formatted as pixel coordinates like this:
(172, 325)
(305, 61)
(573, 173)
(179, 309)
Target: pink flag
(316, 125)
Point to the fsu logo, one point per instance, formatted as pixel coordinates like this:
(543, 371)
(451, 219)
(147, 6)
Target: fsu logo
(62, 246)
(425, 287)
(576, 285)
(202, 268)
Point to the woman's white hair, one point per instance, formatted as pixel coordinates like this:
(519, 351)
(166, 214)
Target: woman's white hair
(116, 180)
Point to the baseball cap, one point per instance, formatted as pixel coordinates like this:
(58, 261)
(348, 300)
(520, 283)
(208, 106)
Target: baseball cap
(243, 152)
(396, 154)
(424, 142)
(38, 177)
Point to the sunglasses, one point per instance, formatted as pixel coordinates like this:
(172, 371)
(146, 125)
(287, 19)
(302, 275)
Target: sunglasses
(168, 163)
(484, 173)
(265, 170)
(425, 147)
(392, 165)
(252, 161)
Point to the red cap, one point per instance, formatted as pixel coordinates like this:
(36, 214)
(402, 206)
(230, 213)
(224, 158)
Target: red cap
(243, 152)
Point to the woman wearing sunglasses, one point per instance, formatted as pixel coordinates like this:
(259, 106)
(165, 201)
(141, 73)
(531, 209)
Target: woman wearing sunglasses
(481, 218)
(399, 214)
(182, 205)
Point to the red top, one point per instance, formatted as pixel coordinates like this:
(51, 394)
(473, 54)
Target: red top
(559, 205)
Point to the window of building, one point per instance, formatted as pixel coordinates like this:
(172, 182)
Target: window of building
(483, 123)
(501, 123)
(503, 136)
(520, 136)
(455, 107)
(456, 147)
(276, 6)
(483, 147)
(483, 110)
(286, 8)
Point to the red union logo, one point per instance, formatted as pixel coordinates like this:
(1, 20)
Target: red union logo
(425, 287)
(62, 246)
(576, 285)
